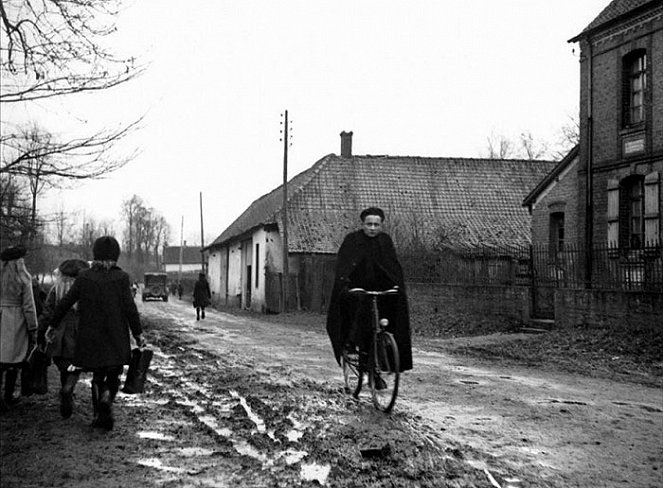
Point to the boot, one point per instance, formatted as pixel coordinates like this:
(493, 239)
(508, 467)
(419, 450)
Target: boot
(108, 393)
(10, 385)
(197, 314)
(67, 395)
(105, 410)
(95, 403)
(202, 314)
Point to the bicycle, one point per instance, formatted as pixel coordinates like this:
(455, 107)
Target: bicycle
(383, 364)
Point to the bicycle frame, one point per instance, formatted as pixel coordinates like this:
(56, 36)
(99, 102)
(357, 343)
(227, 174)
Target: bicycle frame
(381, 340)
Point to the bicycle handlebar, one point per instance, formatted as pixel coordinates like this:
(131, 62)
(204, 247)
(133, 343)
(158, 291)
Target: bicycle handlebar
(360, 291)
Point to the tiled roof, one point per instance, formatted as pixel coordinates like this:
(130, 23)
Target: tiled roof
(615, 9)
(479, 199)
(190, 255)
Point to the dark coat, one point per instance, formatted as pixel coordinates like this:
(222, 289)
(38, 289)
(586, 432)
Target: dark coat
(201, 294)
(370, 263)
(107, 312)
(64, 342)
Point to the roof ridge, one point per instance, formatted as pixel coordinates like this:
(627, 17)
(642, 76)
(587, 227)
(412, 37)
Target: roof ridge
(453, 158)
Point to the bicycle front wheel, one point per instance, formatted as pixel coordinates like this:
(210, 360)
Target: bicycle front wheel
(386, 372)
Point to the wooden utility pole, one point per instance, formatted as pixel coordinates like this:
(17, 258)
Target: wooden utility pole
(284, 231)
(179, 275)
(202, 234)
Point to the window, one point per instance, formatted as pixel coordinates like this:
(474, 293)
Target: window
(557, 230)
(634, 83)
(633, 215)
(632, 212)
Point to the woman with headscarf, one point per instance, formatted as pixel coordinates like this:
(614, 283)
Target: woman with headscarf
(108, 314)
(18, 320)
(62, 343)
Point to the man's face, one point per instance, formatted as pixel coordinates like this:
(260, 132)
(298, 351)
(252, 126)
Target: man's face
(372, 225)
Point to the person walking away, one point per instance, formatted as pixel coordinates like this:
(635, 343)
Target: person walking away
(108, 314)
(18, 320)
(201, 296)
(179, 290)
(367, 259)
(60, 346)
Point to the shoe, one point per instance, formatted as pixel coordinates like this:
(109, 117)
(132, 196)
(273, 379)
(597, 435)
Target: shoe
(379, 383)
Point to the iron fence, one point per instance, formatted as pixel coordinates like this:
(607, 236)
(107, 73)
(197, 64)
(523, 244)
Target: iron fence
(611, 267)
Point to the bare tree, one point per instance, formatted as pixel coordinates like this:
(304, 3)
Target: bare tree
(531, 148)
(51, 48)
(14, 210)
(56, 47)
(63, 225)
(75, 159)
(569, 137)
(499, 146)
(130, 209)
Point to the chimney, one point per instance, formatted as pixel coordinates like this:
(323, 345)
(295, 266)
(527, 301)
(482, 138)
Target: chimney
(346, 144)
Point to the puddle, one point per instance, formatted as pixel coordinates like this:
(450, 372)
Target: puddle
(195, 451)
(260, 424)
(291, 456)
(246, 449)
(211, 422)
(315, 472)
(157, 464)
(157, 436)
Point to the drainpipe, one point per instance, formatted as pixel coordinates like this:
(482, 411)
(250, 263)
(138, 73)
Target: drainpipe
(589, 199)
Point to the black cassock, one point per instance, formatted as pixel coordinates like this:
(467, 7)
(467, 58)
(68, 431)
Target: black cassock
(369, 263)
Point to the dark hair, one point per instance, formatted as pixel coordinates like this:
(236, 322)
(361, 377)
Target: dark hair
(106, 248)
(371, 211)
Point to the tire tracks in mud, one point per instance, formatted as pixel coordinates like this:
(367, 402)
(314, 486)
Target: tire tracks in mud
(294, 430)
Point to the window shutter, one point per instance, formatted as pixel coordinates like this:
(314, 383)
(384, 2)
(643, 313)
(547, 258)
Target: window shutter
(652, 209)
(612, 216)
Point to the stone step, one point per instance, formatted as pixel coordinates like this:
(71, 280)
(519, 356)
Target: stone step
(533, 330)
(538, 326)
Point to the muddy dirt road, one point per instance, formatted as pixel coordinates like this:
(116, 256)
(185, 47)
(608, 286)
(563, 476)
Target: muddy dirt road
(238, 401)
(566, 430)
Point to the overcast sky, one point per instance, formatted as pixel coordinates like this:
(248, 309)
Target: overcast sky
(418, 78)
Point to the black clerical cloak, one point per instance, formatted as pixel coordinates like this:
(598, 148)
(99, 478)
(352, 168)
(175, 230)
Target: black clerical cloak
(369, 263)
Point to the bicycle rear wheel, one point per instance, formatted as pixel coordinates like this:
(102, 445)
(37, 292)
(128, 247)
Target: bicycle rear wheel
(351, 374)
(386, 372)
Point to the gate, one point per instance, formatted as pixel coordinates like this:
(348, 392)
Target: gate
(545, 277)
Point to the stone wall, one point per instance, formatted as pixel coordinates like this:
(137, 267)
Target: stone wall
(608, 308)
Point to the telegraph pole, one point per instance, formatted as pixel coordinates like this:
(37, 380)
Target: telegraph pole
(284, 230)
(179, 276)
(202, 235)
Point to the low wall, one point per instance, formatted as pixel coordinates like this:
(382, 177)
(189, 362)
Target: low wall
(608, 308)
(478, 308)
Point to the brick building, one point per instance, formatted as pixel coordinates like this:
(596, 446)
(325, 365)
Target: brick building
(621, 126)
(553, 205)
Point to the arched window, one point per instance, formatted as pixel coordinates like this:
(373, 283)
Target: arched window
(634, 86)
(557, 231)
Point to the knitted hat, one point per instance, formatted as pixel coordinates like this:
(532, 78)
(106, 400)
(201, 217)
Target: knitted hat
(71, 267)
(106, 248)
(12, 252)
